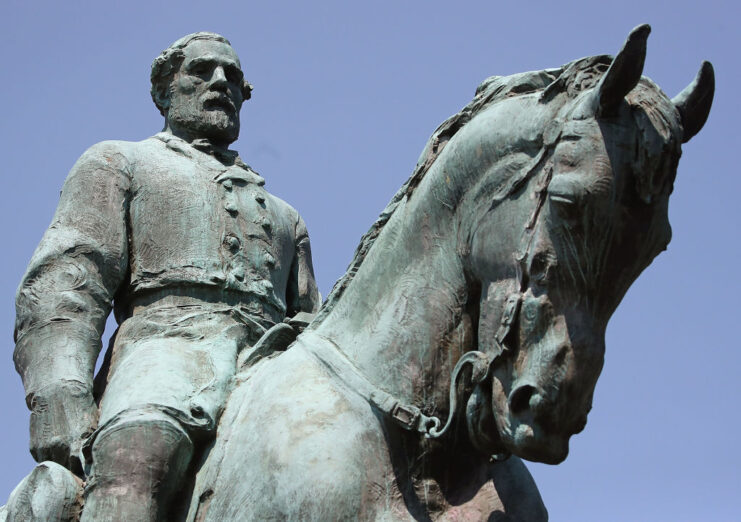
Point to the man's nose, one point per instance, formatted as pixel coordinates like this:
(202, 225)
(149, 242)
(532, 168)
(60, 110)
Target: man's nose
(218, 77)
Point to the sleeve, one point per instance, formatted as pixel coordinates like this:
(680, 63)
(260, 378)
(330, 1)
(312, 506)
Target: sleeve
(302, 294)
(65, 296)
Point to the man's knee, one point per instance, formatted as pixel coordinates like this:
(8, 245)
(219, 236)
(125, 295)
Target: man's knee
(144, 451)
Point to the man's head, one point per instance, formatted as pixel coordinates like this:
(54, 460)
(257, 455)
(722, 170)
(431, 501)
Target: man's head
(198, 86)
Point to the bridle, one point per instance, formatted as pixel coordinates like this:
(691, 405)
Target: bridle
(481, 363)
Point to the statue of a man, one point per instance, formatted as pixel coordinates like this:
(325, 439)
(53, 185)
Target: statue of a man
(197, 259)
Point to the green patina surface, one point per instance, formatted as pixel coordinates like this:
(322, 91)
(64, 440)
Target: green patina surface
(467, 333)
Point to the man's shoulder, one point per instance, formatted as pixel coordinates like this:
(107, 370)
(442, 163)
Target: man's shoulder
(117, 156)
(121, 149)
(284, 207)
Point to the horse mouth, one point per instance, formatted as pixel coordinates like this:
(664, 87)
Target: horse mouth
(539, 438)
(531, 442)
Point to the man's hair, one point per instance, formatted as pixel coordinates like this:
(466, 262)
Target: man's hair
(168, 63)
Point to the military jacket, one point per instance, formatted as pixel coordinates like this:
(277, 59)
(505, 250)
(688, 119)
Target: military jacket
(141, 217)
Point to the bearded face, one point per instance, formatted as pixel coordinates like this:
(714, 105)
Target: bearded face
(205, 94)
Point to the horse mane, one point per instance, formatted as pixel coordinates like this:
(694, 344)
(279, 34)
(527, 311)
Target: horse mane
(572, 78)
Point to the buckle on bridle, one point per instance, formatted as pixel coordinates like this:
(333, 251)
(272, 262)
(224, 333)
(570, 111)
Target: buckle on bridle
(406, 416)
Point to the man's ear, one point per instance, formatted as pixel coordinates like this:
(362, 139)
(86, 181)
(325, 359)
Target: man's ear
(246, 90)
(163, 101)
(161, 97)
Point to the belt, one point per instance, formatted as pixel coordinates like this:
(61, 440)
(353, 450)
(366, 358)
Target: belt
(200, 296)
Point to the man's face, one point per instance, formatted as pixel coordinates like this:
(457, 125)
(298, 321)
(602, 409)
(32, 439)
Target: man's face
(206, 94)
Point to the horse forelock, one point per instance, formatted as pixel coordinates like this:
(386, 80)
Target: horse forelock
(656, 120)
(642, 179)
(577, 77)
(659, 140)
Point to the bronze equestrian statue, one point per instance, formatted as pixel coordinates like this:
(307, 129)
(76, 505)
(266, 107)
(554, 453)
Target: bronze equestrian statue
(467, 333)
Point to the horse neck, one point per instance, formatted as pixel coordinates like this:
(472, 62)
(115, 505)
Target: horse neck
(409, 312)
(405, 298)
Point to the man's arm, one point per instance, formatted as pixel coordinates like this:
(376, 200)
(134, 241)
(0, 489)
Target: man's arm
(64, 299)
(302, 294)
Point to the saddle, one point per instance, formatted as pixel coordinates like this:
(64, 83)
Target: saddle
(275, 340)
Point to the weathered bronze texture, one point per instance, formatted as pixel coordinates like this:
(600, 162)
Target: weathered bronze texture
(467, 333)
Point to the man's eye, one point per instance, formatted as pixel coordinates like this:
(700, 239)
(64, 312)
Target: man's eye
(200, 69)
(234, 75)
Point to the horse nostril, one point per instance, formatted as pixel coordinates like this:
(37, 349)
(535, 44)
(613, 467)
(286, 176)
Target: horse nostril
(519, 399)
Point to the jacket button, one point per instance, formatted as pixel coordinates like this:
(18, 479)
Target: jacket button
(260, 198)
(231, 208)
(232, 243)
(228, 184)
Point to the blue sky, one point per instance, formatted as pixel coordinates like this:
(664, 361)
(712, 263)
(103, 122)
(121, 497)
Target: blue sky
(346, 94)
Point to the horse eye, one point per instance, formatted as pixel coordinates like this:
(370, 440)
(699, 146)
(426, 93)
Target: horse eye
(565, 193)
(562, 199)
(566, 208)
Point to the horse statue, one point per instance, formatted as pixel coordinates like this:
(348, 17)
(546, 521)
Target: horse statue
(468, 332)
(499, 262)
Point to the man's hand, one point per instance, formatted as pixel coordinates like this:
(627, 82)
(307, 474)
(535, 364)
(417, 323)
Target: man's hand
(62, 415)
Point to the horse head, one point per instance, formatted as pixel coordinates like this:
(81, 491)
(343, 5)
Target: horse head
(588, 215)
(529, 215)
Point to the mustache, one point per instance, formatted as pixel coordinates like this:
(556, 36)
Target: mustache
(218, 99)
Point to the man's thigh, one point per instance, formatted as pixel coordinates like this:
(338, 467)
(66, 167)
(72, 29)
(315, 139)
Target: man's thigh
(186, 367)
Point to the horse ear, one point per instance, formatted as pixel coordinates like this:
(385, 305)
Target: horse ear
(624, 72)
(694, 102)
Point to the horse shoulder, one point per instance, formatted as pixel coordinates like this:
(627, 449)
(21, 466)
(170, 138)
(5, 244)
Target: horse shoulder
(293, 445)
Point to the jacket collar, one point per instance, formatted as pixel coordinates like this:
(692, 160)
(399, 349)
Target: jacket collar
(226, 157)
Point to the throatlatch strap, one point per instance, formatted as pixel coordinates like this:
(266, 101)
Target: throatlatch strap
(329, 354)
